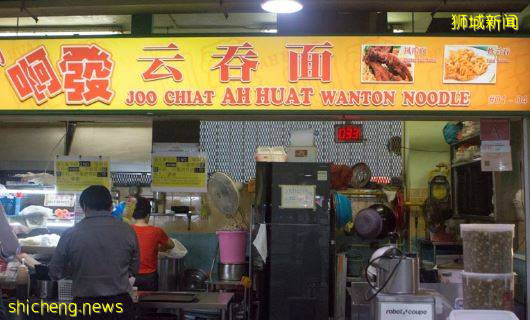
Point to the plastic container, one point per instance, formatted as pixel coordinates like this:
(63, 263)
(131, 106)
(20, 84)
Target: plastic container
(302, 138)
(22, 282)
(232, 246)
(11, 205)
(484, 291)
(64, 287)
(343, 211)
(488, 248)
(482, 315)
(375, 222)
(450, 275)
(270, 154)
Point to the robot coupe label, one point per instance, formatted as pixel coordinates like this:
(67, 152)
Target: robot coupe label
(406, 311)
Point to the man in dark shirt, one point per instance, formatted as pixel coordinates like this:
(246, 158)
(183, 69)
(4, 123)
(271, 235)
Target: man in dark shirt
(102, 253)
(3, 314)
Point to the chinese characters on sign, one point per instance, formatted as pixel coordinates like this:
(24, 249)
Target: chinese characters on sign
(86, 71)
(485, 22)
(86, 75)
(74, 174)
(342, 73)
(179, 172)
(241, 59)
(152, 74)
(309, 64)
(33, 76)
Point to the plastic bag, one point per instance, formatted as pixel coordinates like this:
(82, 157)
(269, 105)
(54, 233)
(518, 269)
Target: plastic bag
(4, 193)
(450, 132)
(44, 240)
(36, 216)
(44, 179)
(19, 228)
(8, 240)
(178, 252)
(118, 211)
(36, 210)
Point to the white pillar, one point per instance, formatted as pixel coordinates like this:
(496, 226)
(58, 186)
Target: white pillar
(526, 152)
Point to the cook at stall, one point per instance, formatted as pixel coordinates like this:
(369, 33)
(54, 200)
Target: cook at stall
(151, 240)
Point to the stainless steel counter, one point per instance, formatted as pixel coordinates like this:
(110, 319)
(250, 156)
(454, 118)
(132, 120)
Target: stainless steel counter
(205, 300)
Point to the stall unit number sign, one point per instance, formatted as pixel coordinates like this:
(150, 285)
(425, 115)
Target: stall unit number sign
(76, 174)
(179, 173)
(405, 311)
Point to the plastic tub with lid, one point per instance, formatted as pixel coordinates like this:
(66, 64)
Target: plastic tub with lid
(482, 315)
(488, 291)
(488, 248)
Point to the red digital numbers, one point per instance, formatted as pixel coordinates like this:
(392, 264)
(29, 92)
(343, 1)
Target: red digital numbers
(349, 133)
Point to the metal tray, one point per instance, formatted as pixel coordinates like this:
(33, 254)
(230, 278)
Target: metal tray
(168, 297)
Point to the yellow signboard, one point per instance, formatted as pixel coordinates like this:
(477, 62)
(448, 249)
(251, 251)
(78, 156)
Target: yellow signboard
(178, 172)
(323, 73)
(74, 174)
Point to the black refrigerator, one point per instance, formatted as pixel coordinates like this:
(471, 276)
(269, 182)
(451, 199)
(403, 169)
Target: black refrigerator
(292, 202)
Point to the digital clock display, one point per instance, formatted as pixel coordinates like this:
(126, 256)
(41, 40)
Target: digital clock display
(345, 133)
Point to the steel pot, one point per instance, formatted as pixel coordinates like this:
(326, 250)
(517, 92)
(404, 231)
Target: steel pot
(398, 275)
(232, 272)
(168, 272)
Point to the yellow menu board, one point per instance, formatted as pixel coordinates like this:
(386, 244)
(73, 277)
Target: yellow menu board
(179, 172)
(74, 174)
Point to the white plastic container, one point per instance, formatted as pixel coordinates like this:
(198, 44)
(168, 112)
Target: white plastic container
(270, 154)
(482, 315)
(64, 287)
(302, 138)
(485, 291)
(488, 248)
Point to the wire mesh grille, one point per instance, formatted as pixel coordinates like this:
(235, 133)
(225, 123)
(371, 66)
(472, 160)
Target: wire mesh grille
(128, 179)
(230, 145)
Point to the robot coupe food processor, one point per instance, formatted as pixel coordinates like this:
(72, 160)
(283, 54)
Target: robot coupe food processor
(394, 281)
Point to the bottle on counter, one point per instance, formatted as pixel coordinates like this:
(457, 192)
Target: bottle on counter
(22, 282)
(134, 294)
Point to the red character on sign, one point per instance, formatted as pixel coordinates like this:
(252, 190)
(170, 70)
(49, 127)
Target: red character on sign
(86, 70)
(156, 63)
(312, 63)
(33, 76)
(244, 57)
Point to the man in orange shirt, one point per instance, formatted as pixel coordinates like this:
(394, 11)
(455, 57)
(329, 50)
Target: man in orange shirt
(151, 240)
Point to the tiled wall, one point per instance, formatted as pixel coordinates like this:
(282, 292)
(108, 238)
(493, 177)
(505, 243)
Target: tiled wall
(201, 249)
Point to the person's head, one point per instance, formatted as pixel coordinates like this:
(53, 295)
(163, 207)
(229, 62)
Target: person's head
(95, 198)
(142, 209)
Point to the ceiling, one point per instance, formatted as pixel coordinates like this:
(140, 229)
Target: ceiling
(214, 23)
(233, 16)
(10, 8)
